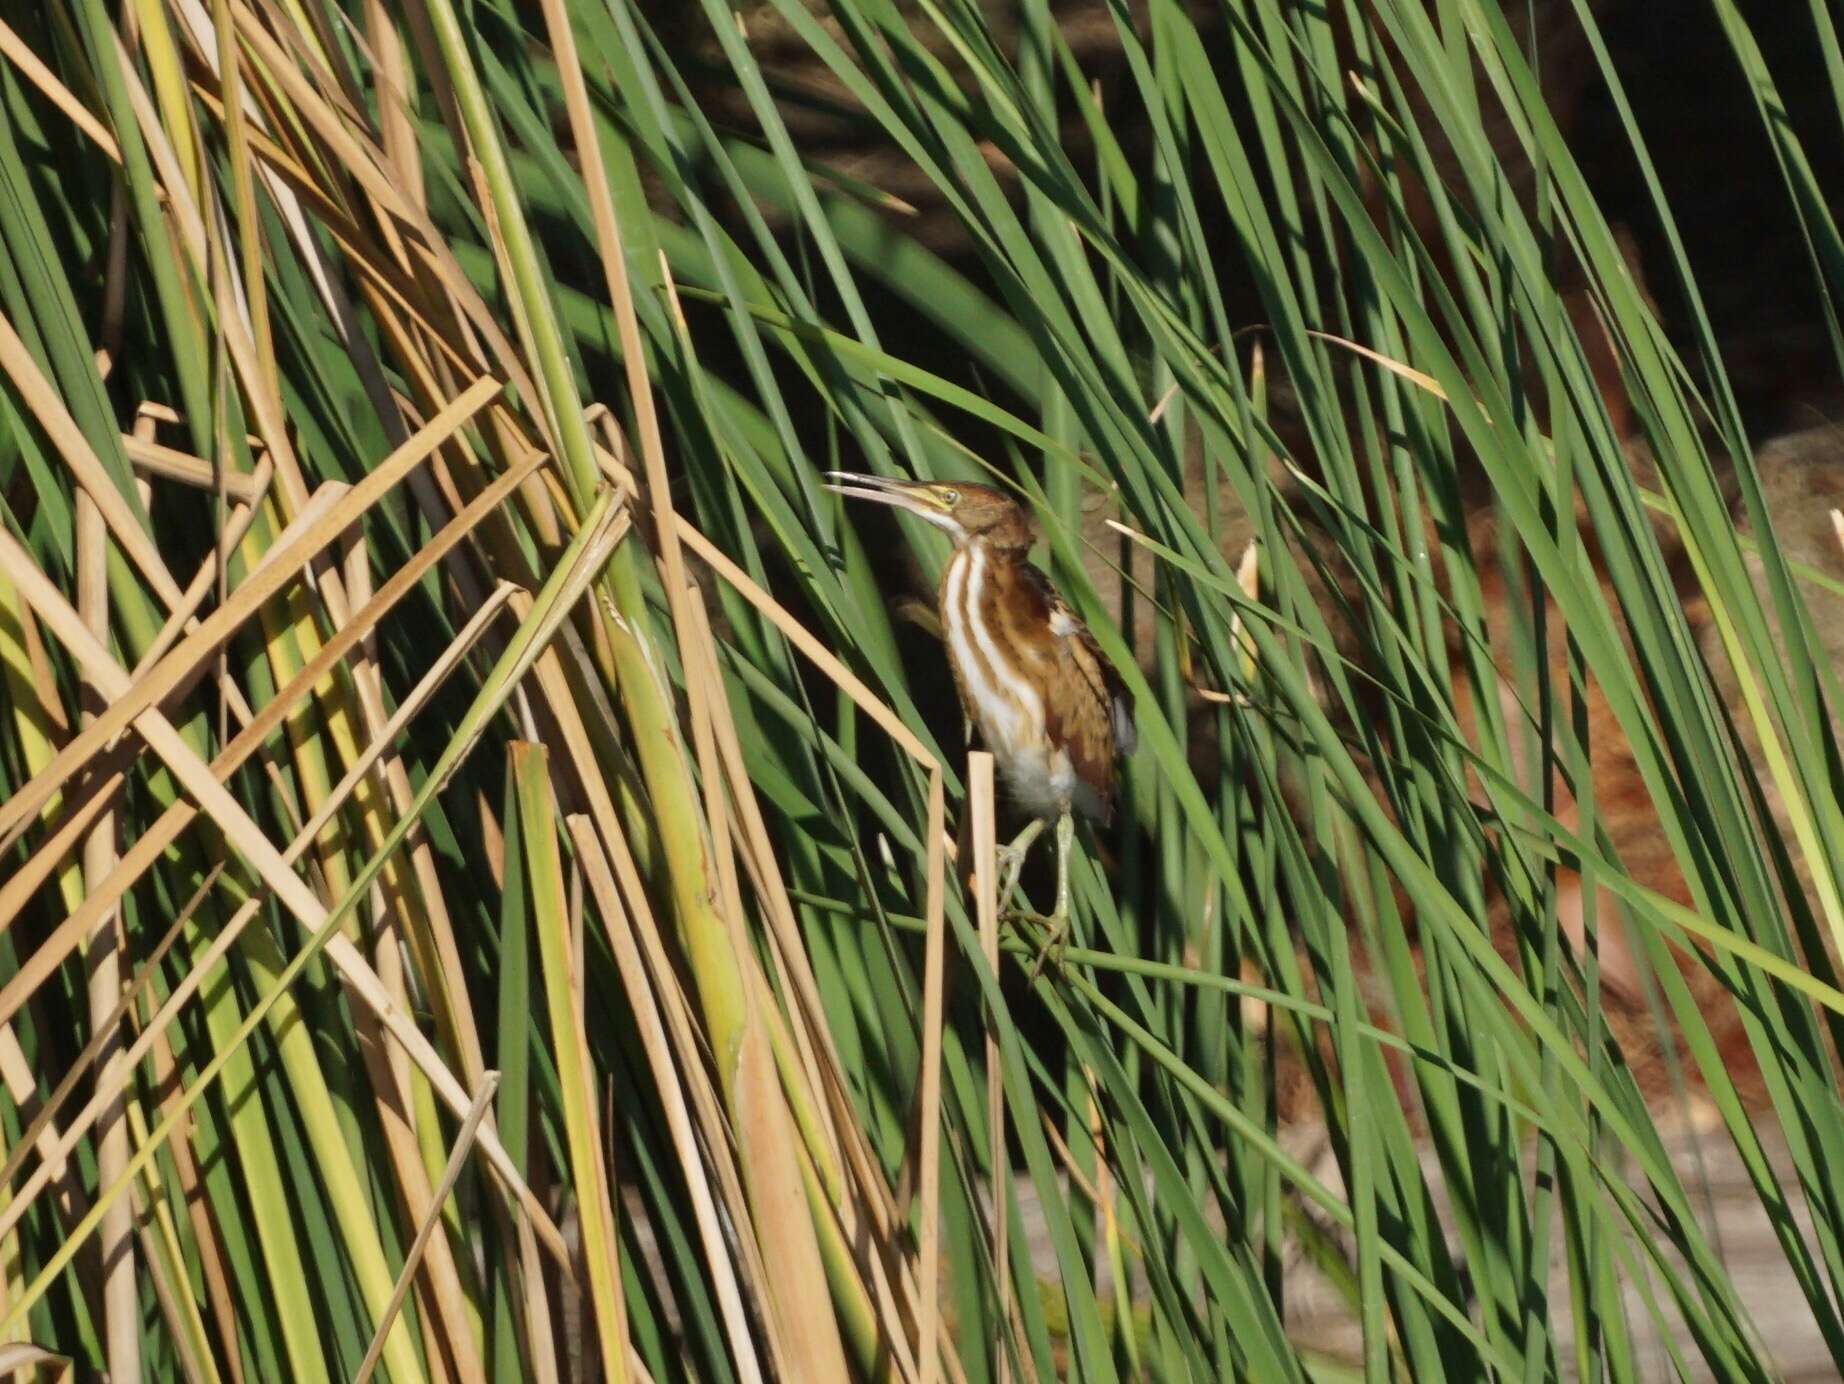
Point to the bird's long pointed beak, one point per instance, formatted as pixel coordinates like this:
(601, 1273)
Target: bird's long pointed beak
(921, 498)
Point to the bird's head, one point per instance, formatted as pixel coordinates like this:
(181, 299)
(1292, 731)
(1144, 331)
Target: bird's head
(964, 510)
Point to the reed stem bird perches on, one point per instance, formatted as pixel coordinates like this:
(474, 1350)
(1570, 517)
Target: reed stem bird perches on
(1031, 678)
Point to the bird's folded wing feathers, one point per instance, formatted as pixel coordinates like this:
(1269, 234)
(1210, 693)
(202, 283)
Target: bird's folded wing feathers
(1102, 684)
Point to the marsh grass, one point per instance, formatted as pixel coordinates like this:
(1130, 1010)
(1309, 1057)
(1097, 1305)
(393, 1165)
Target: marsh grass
(480, 894)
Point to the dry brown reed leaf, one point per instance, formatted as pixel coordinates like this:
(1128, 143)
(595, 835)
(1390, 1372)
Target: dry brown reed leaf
(393, 1082)
(1248, 579)
(116, 1232)
(28, 675)
(14, 49)
(19, 991)
(804, 1334)
(865, 1212)
(27, 1194)
(106, 777)
(43, 1134)
(260, 397)
(784, 1113)
(934, 973)
(698, 694)
(541, 1354)
(811, 1034)
(202, 967)
(386, 734)
(660, 1054)
(529, 769)
(173, 465)
(237, 117)
(983, 825)
(842, 677)
(802, 1331)
(161, 1252)
(428, 935)
(182, 618)
(1405, 371)
(43, 1127)
(614, 272)
(19, 1355)
(451, 1174)
(204, 1228)
(69, 1203)
(293, 184)
(263, 857)
(1066, 1156)
(115, 283)
(255, 847)
(661, 975)
(45, 405)
(942, 847)
(282, 562)
(392, 79)
(803, 639)
(346, 149)
(809, 1333)
(1420, 379)
(351, 155)
(151, 412)
(231, 531)
(421, 911)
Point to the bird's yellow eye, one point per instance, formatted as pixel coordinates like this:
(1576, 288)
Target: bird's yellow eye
(950, 497)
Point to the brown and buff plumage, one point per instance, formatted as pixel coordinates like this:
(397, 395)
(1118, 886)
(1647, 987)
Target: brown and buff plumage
(1090, 714)
(1031, 677)
(1081, 708)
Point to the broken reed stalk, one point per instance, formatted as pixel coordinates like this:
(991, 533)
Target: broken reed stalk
(980, 809)
(120, 1291)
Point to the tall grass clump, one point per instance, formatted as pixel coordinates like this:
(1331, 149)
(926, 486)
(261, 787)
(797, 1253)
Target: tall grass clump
(489, 888)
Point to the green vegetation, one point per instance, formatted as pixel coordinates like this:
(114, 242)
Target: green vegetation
(475, 895)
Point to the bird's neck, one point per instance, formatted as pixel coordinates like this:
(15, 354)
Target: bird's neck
(979, 573)
(992, 549)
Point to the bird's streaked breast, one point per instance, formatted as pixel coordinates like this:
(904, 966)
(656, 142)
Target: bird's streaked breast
(999, 696)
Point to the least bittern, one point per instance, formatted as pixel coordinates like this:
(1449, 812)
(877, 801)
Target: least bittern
(1032, 680)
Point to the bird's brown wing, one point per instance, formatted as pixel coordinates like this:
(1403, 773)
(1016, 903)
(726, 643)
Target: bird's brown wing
(1089, 710)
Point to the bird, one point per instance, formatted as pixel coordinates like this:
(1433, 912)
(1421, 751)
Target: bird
(1033, 682)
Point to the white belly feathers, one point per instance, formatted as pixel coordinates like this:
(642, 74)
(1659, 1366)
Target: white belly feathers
(1007, 709)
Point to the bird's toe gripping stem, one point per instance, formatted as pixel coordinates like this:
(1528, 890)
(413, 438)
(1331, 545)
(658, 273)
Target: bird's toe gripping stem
(1011, 862)
(1056, 926)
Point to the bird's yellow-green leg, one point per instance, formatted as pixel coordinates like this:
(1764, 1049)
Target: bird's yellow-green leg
(1011, 859)
(1056, 935)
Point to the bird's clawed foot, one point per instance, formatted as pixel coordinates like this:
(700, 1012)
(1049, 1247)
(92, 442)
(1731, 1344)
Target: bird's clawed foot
(1011, 859)
(1055, 943)
(1011, 863)
(1056, 926)
(1049, 932)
